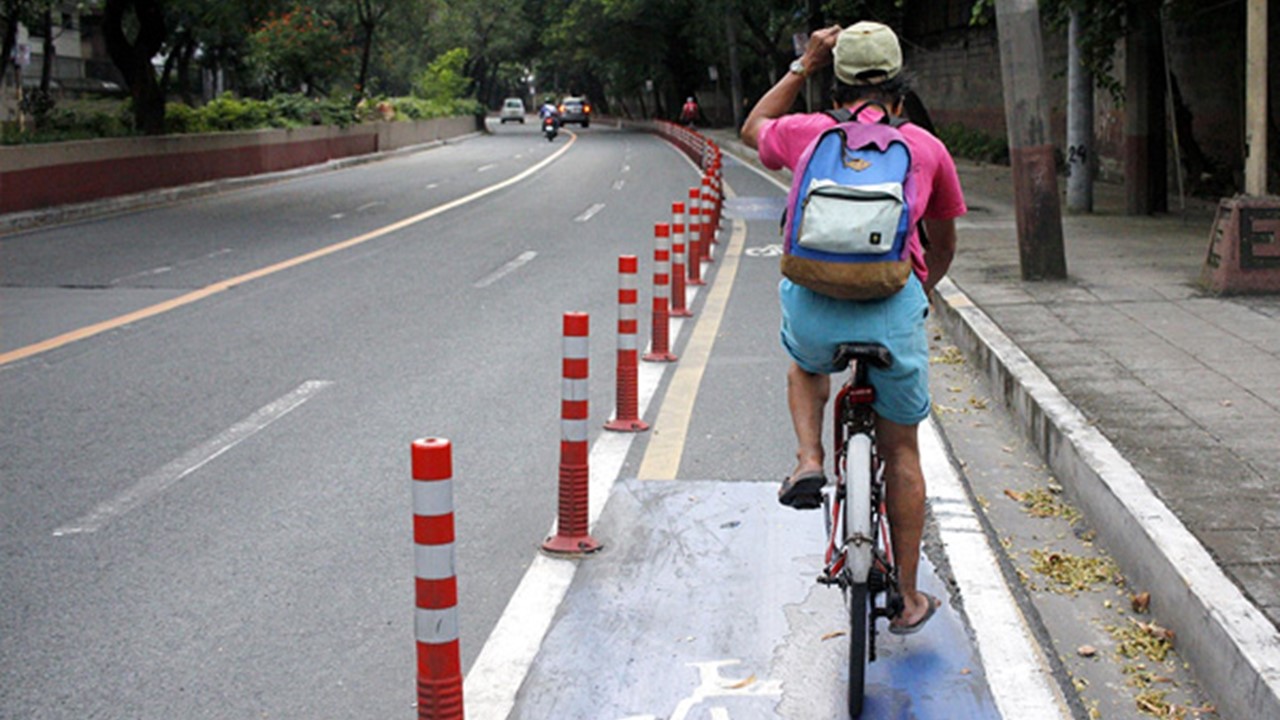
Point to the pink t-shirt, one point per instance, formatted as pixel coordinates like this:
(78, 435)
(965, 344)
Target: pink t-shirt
(938, 195)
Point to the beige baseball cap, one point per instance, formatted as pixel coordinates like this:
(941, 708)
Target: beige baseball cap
(867, 53)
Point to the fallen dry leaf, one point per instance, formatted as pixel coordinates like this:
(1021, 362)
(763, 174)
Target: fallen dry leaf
(1140, 602)
(833, 635)
(1155, 630)
(741, 683)
(1086, 651)
(1014, 495)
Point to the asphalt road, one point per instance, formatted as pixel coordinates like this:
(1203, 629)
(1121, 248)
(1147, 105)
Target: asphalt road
(272, 579)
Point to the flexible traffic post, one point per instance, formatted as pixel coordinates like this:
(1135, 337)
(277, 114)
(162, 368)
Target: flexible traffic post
(720, 180)
(435, 583)
(717, 186)
(571, 538)
(708, 216)
(627, 414)
(678, 306)
(660, 344)
(693, 229)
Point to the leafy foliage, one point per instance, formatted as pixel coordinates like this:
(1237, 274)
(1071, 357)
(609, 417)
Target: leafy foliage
(298, 49)
(974, 144)
(443, 80)
(229, 113)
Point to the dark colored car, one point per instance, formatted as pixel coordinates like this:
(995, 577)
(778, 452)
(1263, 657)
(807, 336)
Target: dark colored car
(575, 110)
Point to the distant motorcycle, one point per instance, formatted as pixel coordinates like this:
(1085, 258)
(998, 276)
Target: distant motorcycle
(550, 127)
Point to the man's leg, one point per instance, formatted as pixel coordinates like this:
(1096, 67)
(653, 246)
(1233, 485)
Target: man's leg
(905, 501)
(807, 398)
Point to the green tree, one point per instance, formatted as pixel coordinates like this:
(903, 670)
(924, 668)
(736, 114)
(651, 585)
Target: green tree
(444, 80)
(12, 13)
(298, 49)
(370, 15)
(501, 39)
(135, 31)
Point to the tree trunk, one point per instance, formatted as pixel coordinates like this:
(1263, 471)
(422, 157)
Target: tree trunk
(1145, 145)
(9, 43)
(365, 52)
(134, 58)
(50, 52)
(735, 67)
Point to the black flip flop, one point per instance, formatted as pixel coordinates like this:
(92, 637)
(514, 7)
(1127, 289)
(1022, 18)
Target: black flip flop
(934, 604)
(804, 492)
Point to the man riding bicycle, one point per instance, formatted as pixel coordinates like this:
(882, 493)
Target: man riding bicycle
(868, 68)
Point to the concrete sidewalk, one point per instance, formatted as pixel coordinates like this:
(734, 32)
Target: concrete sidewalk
(1157, 405)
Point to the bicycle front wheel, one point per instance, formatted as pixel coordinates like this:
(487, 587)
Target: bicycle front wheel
(859, 625)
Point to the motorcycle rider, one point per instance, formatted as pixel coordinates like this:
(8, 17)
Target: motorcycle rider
(549, 110)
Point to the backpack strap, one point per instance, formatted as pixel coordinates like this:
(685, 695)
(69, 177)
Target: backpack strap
(840, 115)
(843, 115)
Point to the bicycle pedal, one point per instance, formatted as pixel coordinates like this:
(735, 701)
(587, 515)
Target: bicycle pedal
(827, 580)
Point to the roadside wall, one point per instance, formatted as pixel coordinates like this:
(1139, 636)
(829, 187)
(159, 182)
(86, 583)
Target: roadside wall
(40, 176)
(956, 70)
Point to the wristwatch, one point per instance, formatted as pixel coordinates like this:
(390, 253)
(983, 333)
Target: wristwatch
(797, 67)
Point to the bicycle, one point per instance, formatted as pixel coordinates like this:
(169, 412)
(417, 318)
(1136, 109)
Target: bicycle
(859, 555)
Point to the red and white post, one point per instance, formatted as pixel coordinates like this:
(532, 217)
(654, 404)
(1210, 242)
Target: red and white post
(679, 307)
(660, 345)
(435, 584)
(693, 226)
(627, 415)
(717, 188)
(708, 218)
(571, 536)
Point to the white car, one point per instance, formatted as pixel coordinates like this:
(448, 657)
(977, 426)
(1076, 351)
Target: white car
(512, 111)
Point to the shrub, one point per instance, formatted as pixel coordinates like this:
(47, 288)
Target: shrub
(227, 112)
(293, 110)
(182, 118)
(419, 109)
(974, 144)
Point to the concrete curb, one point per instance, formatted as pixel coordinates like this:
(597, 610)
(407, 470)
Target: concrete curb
(1233, 647)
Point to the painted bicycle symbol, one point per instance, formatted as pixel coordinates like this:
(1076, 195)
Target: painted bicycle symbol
(774, 250)
(712, 685)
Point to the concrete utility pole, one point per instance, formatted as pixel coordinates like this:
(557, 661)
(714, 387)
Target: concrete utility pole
(1035, 179)
(1255, 162)
(1079, 124)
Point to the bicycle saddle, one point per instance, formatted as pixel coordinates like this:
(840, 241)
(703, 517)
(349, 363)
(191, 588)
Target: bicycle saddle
(874, 354)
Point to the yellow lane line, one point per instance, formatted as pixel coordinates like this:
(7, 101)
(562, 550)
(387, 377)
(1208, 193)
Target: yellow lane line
(195, 296)
(670, 429)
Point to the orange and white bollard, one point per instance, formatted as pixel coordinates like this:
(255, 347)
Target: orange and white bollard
(571, 536)
(679, 308)
(435, 583)
(660, 345)
(627, 414)
(708, 219)
(693, 228)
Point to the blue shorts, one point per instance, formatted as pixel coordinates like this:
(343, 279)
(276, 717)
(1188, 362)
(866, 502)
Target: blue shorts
(814, 324)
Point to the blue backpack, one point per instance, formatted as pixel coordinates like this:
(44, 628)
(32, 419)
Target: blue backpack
(848, 218)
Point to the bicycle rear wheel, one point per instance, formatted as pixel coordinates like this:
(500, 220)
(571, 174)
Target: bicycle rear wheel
(859, 626)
